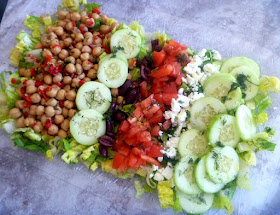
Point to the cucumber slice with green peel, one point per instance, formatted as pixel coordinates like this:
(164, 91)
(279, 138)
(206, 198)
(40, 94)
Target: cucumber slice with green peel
(94, 95)
(113, 72)
(195, 204)
(249, 80)
(184, 176)
(87, 126)
(222, 164)
(245, 122)
(235, 62)
(114, 55)
(223, 129)
(203, 180)
(203, 110)
(220, 86)
(127, 42)
(193, 143)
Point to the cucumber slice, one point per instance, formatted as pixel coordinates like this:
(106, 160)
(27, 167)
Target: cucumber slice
(94, 95)
(112, 72)
(115, 55)
(127, 42)
(235, 62)
(193, 143)
(219, 85)
(195, 204)
(184, 176)
(203, 180)
(203, 110)
(252, 81)
(223, 129)
(87, 126)
(245, 122)
(222, 164)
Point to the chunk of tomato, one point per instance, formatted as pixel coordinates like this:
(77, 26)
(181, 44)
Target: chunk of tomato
(176, 70)
(158, 58)
(132, 161)
(167, 97)
(166, 125)
(170, 88)
(157, 118)
(119, 159)
(155, 131)
(124, 126)
(163, 71)
(145, 104)
(144, 89)
(144, 136)
(151, 111)
(155, 151)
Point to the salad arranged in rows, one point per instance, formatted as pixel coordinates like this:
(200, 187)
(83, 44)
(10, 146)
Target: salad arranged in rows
(133, 103)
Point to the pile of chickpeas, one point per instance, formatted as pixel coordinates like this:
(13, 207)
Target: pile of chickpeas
(47, 101)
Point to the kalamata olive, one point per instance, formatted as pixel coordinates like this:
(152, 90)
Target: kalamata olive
(124, 87)
(119, 116)
(131, 95)
(111, 134)
(109, 126)
(113, 105)
(103, 150)
(106, 140)
(154, 44)
(142, 72)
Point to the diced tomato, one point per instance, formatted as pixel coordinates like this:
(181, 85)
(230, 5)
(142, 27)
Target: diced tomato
(166, 125)
(81, 29)
(170, 88)
(157, 118)
(132, 161)
(150, 160)
(124, 126)
(155, 151)
(179, 79)
(147, 124)
(144, 136)
(13, 81)
(122, 148)
(176, 70)
(158, 97)
(144, 89)
(132, 62)
(158, 58)
(139, 163)
(133, 131)
(74, 24)
(119, 159)
(163, 71)
(151, 111)
(155, 131)
(138, 113)
(96, 10)
(167, 97)
(147, 102)
(158, 87)
(132, 141)
(146, 145)
(81, 82)
(162, 79)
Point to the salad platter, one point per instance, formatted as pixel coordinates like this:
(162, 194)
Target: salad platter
(183, 127)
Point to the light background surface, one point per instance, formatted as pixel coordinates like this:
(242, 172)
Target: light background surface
(30, 184)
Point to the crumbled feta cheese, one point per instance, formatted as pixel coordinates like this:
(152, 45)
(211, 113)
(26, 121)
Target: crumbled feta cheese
(171, 152)
(216, 55)
(151, 175)
(182, 116)
(275, 108)
(210, 68)
(168, 172)
(175, 106)
(160, 159)
(155, 167)
(183, 101)
(160, 133)
(170, 115)
(173, 142)
(181, 91)
(202, 53)
(158, 177)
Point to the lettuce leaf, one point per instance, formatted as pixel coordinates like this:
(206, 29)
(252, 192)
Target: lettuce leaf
(36, 24)
(249, 157)
(135, 74)
(140, 30)
(89, 7)
(107, 166)
(243, 178)
(8, 125)
(70, 156)
(139, 189)
(165, 194)
(271, 84)
(262, 118)
(162, 38)
(128, 108)
(177, 206)
(262, 102)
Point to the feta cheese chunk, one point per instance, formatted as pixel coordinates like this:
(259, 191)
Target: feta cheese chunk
(171, 152)
(158, 177)
(168, 172)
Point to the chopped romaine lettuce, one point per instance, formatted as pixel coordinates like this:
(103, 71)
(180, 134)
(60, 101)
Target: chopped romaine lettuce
(73, 4)
(135, 74)
(270, 131)
(140, 30)
(128, 108)
(262, 102)
(71, 155)
(8, 125)
(139, 189)
(102, 55)
(222, 202)
(249, 157)
(269, 84)
(162, 38)
(35, 24)
(47, 21)
(262, 118)
(165, 194)
(243, 179)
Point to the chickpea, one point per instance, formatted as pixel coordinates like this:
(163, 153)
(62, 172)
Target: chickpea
(92, 74)
(114, 92)
(97, 51)
(51, 102)
(68, 104)
(97, 41)
(75, 17)
(52, 93)
(104, 29)
(31, 89)
(61, 94)
(47, 52)
(82, 76)
(40, 110)
(59, 31)
(87, 65)
(104, 19)
(68, 42)
(54, 42)
(58, 119)
(86, 49)
(120, 100)
(90, 22)
(65, 112)
(79, 69)
(61, 23)
(21, 71)
(56, 50)
(52, 36)
(63, 54)
(84, 18)
(65, 125)
(19, 93)
(48, 79)
(38, 127)
(84, 56)
(88, 41)
(84, 27)
(79, 45)
(61, 14)
(71, 59)
(49, 111)
(70, 68)
(73, 36)
(114, 24)
(86, 79)
(35, 98)
(57, 78)
(43, 101)
(58, 110)
(61, 133)
(71, 113)
(45, 40)
(29, 121)
(75, 52)
(44, 132)
(75, 82)
(79, 61)
(79, 37)
(20, 103)
(15, 113)
(20, 122)
(38, 46)
(88, 34)
(67, 87)
(53, 129)
(129, 76)
(30, 83)
(25, 110)
(44, 119)
(38, 118)
(95, 66)
(68, 15)
(32, 110)
(71, 95)
(69, 26)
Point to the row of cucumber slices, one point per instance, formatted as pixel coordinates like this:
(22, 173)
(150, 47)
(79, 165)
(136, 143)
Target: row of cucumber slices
(208, 158)
(94, 98)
